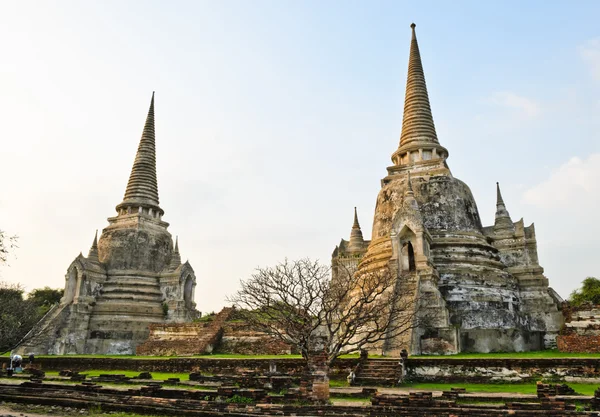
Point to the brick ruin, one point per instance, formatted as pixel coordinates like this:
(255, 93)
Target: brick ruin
(225, 333)
(284, 387)
(581, 332)
(153, 397)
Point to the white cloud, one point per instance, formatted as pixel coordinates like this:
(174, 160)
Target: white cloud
(590, 53)
(526, 106)
(565, 208)
(575, 183)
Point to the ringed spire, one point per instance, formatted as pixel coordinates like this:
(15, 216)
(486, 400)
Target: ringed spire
(93, 253)
(417, 121)
(418, 139)
(142, 187)
(502, 222)
(356, 236)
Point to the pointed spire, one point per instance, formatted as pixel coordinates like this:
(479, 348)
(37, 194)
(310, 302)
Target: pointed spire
(356, 225)
(417, 122)
(356, 237)
(499, 199)
(93, 254)
(503, 222)
(409, 195)
(142, 188)
(175, 257)
(418, 140)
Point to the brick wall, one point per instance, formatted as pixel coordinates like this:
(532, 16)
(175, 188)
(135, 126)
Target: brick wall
(184, 339)
(418, 370)
(578, 343)
(240, 338)
(210, 366)
(581, 332)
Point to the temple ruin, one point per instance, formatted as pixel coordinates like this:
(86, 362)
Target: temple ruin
(133, 276)
(483, 286)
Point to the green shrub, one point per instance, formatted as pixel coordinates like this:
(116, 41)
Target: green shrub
(238, 399)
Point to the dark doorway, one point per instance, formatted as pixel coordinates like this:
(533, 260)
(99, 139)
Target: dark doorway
(411, 258)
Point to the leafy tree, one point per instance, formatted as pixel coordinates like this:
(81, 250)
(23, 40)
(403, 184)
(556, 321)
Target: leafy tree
(297, 299)
(45, 298)
(588, 293)
(17, 315)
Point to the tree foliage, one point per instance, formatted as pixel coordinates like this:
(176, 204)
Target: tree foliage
(17, 315)
(296, 299)
(588, 293)
(45, 298)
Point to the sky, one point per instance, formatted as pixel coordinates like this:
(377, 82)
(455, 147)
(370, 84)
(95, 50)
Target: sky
(275, 118)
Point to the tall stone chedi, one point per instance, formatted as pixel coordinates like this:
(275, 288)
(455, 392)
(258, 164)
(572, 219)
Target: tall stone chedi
(481, 288)
(132, 276)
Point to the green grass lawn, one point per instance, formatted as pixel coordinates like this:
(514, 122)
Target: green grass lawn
(338, 383)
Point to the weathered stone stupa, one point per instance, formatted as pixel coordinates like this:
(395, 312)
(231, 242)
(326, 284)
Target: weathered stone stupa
(482, 285)
(132, 276)
(347, 255)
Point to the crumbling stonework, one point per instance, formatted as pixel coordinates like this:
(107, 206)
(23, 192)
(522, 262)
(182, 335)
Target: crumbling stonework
(184, 339)
(224, 334)
(241, 339)
(581, 332)
(481, 289)
(132, 276)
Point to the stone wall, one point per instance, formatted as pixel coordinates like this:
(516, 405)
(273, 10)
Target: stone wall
(204, 365)
(502, 370)
(418, 370)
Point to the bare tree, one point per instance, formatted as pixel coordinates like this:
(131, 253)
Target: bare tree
(7, 243)
(295, 298)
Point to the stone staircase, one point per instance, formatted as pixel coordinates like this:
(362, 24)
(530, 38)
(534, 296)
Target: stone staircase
(138, 296)
(124, 309)
(39, 337)
(378, 372)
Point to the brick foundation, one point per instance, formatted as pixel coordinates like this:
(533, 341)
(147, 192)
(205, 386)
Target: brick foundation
(578, 343)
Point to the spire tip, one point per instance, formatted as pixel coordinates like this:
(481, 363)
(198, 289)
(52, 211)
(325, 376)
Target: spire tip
(413, 26)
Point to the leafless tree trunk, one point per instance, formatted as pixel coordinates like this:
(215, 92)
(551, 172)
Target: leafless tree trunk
(295, 298)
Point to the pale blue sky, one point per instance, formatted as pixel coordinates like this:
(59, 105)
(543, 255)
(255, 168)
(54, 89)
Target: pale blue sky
(276, 118)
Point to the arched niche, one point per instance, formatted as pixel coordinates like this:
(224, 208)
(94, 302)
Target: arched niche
(188, 291)
(407, 247)
(408, 257)
(71, 285)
